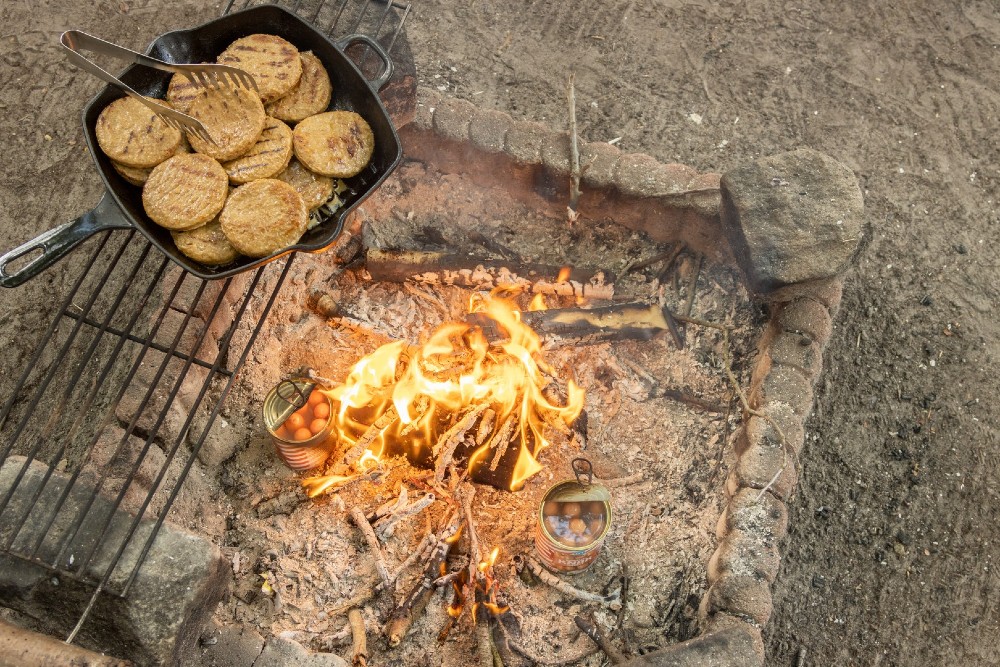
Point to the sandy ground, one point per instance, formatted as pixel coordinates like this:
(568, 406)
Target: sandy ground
(890, 556)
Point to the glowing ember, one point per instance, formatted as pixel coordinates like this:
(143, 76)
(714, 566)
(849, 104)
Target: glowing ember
(410, 400)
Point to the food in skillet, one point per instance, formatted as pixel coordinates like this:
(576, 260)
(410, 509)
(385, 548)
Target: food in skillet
(245, 193)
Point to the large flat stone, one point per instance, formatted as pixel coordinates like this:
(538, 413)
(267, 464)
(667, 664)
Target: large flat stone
(180, 581)
(792, 218)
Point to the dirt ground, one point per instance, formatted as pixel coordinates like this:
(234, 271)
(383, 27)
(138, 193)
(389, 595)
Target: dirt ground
(889, 560)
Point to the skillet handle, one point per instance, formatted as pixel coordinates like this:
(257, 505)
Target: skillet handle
(387, 67)
(55, 243)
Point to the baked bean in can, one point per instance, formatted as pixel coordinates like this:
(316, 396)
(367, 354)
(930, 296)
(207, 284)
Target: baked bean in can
(573, 520)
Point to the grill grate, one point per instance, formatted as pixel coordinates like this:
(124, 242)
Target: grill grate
(133, 335)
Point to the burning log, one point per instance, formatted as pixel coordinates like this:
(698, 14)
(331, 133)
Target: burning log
(546, 577)
(384, 421)
(445, 448)
(403, 616)
(588, 326)
(358, 517)
(502, 439)
(442, 268)
(359, 647)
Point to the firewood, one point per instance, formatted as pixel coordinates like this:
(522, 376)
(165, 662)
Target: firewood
(359, 647)
(546, 577)
(467, 494)
(502, 439)
(358, 517)
(385, 526)
(442, 268)
(404, 615)
(446, 445)
(385, 420)
(486, 425)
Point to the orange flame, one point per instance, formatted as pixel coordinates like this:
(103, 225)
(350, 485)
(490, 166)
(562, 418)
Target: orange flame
(416, 390)
(564, 274)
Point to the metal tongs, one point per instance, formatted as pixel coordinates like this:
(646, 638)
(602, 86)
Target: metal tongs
(206, 75)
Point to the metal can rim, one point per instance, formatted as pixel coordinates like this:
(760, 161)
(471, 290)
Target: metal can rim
(598, 541)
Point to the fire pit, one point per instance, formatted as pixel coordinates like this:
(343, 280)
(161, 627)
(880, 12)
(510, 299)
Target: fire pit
(472, 340)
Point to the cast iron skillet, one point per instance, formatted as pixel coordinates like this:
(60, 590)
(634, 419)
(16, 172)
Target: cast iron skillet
(121, 205)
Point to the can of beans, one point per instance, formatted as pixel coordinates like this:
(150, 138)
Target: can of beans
(299, 418)
(573, 520)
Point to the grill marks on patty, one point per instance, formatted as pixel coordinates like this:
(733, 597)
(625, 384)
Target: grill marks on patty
(233, 116)
(131, 134)
(272, 61)
(267, 158)
(338, 144)
(310, 96)
(185, 192)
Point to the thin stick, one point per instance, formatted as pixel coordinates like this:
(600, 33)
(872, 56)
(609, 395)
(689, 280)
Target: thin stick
(359, 648)
(452, 438)
(618, 482)
(555, 582)
(468, 493)
(502, 439)
(694, 285)
(484, 644)
(669, 264)
(658, 257)
(574, 155)
(387, 524)
(591, 630)
(548, 662)
(358, 517)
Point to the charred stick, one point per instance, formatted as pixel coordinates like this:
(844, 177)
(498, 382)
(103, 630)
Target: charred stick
(574, 155)
(385, 420)
(555, 582)
(658, 257)
(618, 482)
(359, 647)
(669, 263)
(385, 509)
(626, 581)
(416, 554)
(594, 325)
(358, 517)
(690, 400)
(445, 448)
(403, 616)
(591, 630)
(539, 660)
(468, 494)
(386, 525)
(484, 644)
(494, 246)
(422, 406)
(441, 268)
(502, 439)
(486, 425)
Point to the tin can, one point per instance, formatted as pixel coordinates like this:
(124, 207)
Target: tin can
(573, 520)
(279, 404)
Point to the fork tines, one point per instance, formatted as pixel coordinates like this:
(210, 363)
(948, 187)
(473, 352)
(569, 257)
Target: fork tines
(217, 76)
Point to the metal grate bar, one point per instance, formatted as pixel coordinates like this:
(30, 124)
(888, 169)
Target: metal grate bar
(83, 407)
(159, 347)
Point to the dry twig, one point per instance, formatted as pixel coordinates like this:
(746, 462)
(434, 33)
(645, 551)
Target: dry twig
(546, 577)
(446, 445)
(502, 439)
(574, 155)
(359, 647)
(384, 421)
(591, 630)
(358, 517)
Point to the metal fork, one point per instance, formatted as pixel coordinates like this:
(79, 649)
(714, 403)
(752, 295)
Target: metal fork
(206, 75)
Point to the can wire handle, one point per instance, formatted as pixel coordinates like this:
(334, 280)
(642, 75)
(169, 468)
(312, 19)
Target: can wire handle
(583, 468)
(291, 393)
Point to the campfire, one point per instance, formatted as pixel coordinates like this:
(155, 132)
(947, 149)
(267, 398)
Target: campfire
(458, 397)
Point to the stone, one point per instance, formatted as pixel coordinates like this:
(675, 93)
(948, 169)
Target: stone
(766, 516)
(796, 351)
(757, 467)
(524, 141)
(792, 218)
(555, 153)
(280, 652)
(761, 432)
(723, 622)
(177, 586)
(598, 161)
(488, 130)
(222, 440)
(732, 646)
(228, 646)
(827, 292)
(807, 317)
(741, 595)
(782, 384)
(644, 176)
(428, 100)
(452, 118)
(745, 553)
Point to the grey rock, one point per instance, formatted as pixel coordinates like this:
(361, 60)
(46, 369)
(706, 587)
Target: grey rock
(281, 652)
(228, 646)
(157, 622)
(792, 218)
